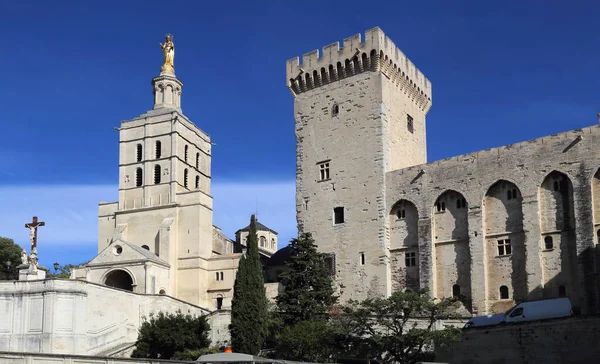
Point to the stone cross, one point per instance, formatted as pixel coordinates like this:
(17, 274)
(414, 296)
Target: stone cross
(32, 226)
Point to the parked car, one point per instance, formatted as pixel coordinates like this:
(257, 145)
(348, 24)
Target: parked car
(488, 320)
(539, 310)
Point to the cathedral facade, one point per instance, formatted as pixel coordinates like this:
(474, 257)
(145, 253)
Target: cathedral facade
(518, 222)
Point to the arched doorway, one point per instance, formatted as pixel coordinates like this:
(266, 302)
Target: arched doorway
(119, 279)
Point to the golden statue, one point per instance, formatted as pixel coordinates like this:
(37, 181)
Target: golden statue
(169, 55)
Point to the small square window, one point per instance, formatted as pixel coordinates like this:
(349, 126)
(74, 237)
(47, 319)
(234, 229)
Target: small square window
(338, 215)
(440, 206)
(504, 247)
(562, 291)
(401, 213)
(410, 259)
(409, 124)
(323, 171)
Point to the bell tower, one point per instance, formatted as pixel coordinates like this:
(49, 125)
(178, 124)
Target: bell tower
(167, 91)
(164, 202)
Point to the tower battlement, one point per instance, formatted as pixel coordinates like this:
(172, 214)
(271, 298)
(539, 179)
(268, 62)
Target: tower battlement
(376, 53)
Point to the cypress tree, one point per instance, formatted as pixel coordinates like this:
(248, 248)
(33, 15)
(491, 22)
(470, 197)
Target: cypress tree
(249, 313)
(308, 290)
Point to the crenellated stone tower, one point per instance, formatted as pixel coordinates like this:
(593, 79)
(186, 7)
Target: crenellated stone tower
(360, 113)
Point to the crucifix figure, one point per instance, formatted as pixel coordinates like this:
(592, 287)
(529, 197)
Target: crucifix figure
(32, 226)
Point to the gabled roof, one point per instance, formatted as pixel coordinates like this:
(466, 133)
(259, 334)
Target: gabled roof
(130, 252)
(259, 227)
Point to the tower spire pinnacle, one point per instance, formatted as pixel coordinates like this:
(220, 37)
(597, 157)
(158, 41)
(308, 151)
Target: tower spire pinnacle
(167, 87)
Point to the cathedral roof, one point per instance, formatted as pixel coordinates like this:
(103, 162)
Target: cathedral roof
(128, 253)
(280, 257)
(259, 227)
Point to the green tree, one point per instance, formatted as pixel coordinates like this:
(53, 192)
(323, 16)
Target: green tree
(385, 328)
(9, 252)
(64, 271)
(249, 310)
(164, 335)
(309, 341)
(308, 291)
(193, 355)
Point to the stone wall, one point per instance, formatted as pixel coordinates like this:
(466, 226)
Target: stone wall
(77, 317)
(572, 340)
(510, 223)
(33, 358)
(535, 196)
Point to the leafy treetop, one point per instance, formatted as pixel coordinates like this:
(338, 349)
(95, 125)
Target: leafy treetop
(164, 335)
(385, 328)
(9, 252)
(308, 292)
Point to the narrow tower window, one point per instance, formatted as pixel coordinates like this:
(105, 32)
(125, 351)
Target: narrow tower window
(158, 149)
(409, 124)
(138, 153)
(455, 290)
(338, 215)
(138, 177)
(197, 182)
(548, 243)
(562, 291)
(197, 160)
(335, 110)
(362, 258)
(185, 153)
(156, 174)
(503, 292)
(219, 303)
(185, 178)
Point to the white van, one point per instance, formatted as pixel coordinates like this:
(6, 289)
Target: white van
(488, 320)
(540, 310)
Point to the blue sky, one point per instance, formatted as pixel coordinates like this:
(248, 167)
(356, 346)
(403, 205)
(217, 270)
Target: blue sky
(502, 72)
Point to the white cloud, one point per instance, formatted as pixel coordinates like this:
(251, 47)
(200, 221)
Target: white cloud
(71, 211)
